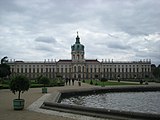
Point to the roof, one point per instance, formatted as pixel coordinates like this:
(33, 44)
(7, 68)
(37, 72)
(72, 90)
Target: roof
(64, 60)
(92, 60)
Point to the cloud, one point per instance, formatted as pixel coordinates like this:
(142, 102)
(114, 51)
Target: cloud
(120, 29)
(44, 39)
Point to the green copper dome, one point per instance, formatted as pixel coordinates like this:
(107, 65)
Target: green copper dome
(77, 46)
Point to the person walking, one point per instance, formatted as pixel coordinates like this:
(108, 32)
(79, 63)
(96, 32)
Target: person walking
(79, 82)
(72, 81)
(66, 80)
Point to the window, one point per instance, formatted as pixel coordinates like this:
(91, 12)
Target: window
(87, 71)
(91, 70)
(82, 56)
(122, 69)
(29, 70)
(46, 69)
(79, 68)
(133, 69)
(95, 70)
(37, 70)
(129, 69)
(33, 70)
(25, 70)
(61, 69)
(107, 69)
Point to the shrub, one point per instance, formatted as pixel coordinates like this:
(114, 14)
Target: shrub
(44, 80)
(91, 82)
(104, 79)
(19, 84)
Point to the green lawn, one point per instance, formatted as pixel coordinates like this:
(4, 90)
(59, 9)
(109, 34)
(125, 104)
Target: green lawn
(5, 84)
(110, 83)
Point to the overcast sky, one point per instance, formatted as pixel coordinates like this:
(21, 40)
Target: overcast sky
(122, 30)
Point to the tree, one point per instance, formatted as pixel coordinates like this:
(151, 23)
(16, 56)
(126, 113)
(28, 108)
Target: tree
(4, 68)
(19, 84)
(44, 80)
(4, 60)
(155, 70)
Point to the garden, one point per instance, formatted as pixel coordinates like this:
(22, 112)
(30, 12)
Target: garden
(104, 82)
(35, 83)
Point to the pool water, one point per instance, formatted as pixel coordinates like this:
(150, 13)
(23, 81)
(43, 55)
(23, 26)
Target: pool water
(146, 102)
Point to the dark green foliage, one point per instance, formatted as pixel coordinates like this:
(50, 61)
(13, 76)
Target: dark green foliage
(19, 84)
(4, 60)
(91, 82)
(58, 81)
(4, 68)
(44, 80)
(104, 79)
(59, 76)
(38, 79)
(155, 71)
(96, 83)
(96, 76)
(141, 81)
(110, 83)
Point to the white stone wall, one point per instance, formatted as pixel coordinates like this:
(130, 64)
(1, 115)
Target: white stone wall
(83, 69)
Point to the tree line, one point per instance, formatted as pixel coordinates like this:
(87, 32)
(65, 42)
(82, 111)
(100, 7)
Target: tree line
(155, 71)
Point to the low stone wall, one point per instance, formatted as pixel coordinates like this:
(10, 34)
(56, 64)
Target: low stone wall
(53, 103)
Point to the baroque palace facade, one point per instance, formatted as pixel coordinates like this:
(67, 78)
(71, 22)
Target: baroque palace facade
(80, 68)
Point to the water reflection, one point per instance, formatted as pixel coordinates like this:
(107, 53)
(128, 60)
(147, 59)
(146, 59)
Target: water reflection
(130, 101)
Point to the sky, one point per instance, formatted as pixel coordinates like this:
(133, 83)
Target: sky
(122, 30)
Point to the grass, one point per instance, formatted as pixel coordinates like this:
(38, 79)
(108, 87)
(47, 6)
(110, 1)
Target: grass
(5, 84)
(110, 83)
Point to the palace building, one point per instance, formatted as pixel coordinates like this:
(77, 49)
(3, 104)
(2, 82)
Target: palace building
(80, 68)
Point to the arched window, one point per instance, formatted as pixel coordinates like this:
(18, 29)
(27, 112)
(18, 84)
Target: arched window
(83, 68)
(82, 56)
(79, 68)
(74, 68)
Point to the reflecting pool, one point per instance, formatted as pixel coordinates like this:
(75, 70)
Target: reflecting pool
(147, 102)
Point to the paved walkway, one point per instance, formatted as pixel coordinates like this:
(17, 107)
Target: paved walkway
(7, 112)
